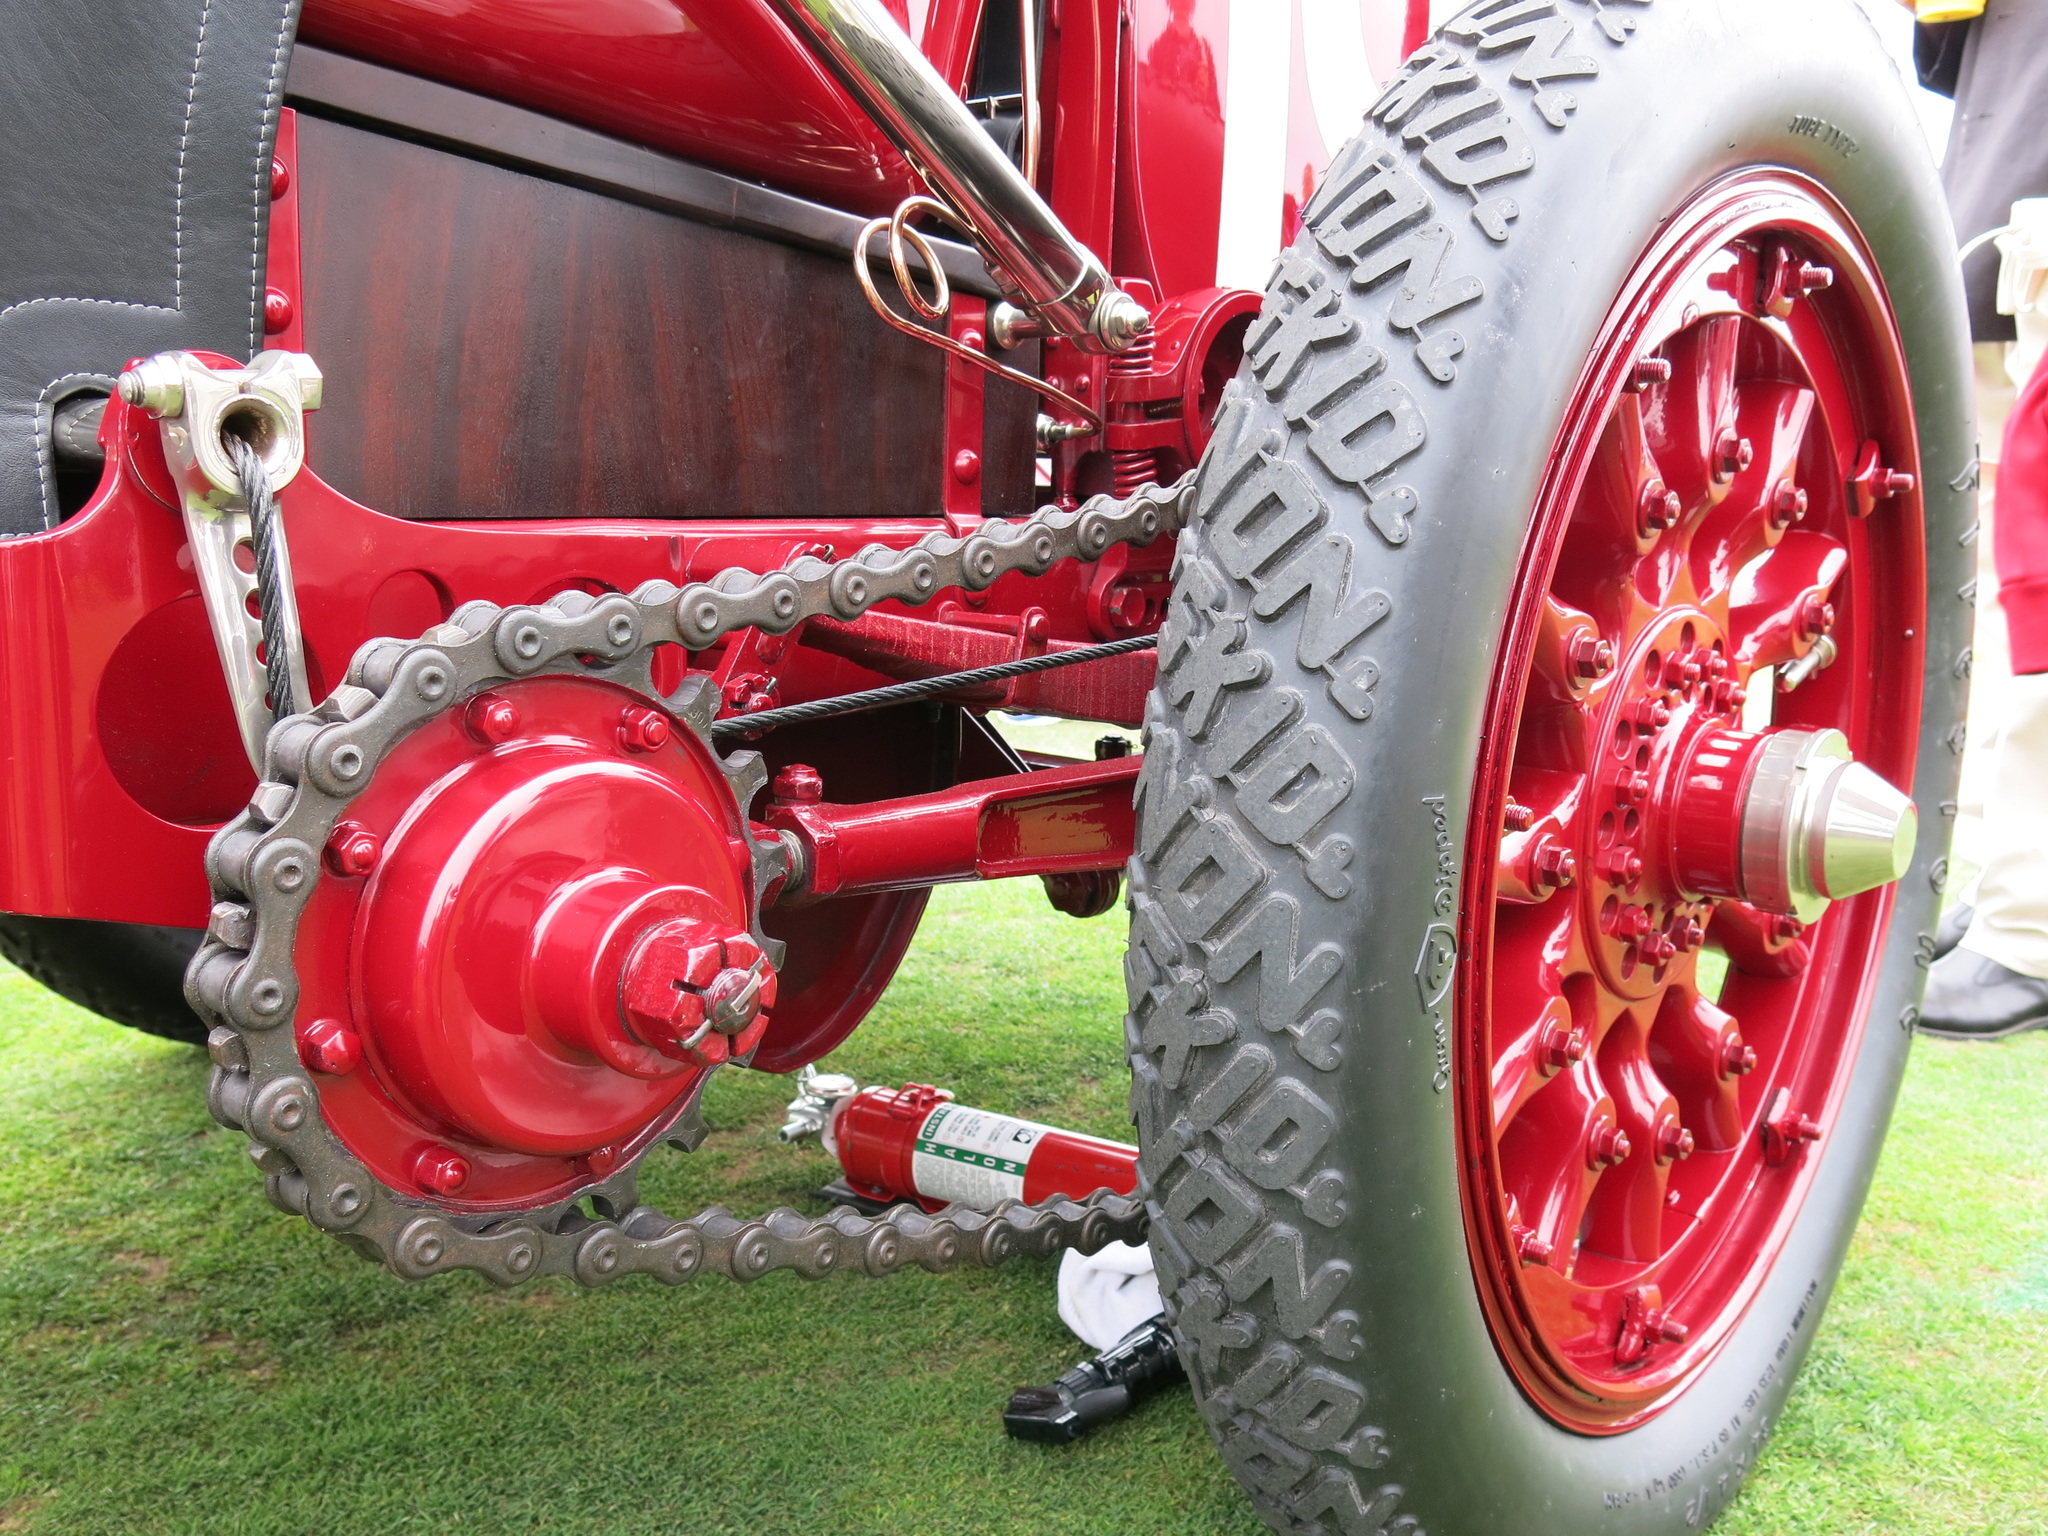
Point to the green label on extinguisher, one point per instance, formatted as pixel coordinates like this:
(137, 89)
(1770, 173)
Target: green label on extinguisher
(971, 1157)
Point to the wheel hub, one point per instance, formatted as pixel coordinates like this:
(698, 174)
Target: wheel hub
(536, 943)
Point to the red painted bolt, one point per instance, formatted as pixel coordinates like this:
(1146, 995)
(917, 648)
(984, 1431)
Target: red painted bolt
(1555, 865)
(330, 1046)
(1530, 1248)
(1632, 788)
(1643, 1324)
(1632, 922)
(1783, 929)
(353, 849)
(1623, 866)
(1786, 1129)
(277, 310)
(1738, 1059)
(1727, 697)
(1649, 371)
(280, 178)
(1517, 817)
(1657, 508)
(799, 783)
(1686, 933)
(1656, 948)
(492, 719)
(1812, 278)
(966, 466)
(1816, 616)
(1590, 656)
(1788, 504)
(1126, 607)
(1563, 1046)
(440, 1169)
(1733, 453)
(1680, 672)
(1712, 663)
(1608, 1147)
(1674, 1142)
(642, 730)
(1891, 482)
(1651, 714)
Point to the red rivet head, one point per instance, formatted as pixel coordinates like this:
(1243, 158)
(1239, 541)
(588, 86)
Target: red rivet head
(277, 311)
(799, 784)
(966, 466)
(491, 719)
(642, 730)
(330, 1046)
(353, 849)
(280, 178)
(442, 1170)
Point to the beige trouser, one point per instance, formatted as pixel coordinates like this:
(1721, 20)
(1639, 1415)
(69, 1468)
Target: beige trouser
(2002, 824)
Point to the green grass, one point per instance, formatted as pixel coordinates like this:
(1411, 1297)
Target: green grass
(179, 1357)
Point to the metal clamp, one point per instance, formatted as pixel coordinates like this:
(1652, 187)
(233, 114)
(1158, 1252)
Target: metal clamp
(202, 409)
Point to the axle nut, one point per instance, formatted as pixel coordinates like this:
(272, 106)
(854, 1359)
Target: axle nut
(441, 1170)
(642, 730)
(799, 784)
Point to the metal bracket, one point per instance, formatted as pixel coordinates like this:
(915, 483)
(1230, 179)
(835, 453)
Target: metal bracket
(200, 409)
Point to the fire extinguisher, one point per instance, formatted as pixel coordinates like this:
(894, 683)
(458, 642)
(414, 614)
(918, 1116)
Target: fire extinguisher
(916, 1143)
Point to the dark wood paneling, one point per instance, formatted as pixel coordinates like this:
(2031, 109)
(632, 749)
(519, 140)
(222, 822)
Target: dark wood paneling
(497, 345)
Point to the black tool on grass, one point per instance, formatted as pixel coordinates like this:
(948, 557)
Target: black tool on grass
(1098, 1390)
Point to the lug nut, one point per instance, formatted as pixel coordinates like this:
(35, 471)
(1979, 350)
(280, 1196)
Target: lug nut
(799, 783)
(1624, 866)
(1713, 665)
(1562, 1047)
(492, 719)
(1687, 933)
(1733, 454)
(642, 730)
(353, 849)
(330, 1046)
(1788, 504)
(1632, 789)
(1651, 714)
(1648, 372)
(1590, 656)
(1726, 697)
(1681, 673)
(1737, 1058)
(1555, 865)
(1674, 1142)
(1608, 1147)
(1657, 508)
(1816, 616)
(440, 1169)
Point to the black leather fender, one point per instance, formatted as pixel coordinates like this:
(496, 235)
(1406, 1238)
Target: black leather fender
(135, 145)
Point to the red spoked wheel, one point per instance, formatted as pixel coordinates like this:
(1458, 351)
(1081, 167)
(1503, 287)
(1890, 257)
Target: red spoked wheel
(1725, 569)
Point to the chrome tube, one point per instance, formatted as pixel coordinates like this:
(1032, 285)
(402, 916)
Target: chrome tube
(1026, 246)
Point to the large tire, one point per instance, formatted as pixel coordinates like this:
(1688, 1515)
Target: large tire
(1300, 1145)
(131, 973)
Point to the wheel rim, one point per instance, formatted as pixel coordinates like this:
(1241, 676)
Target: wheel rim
(1726, 499)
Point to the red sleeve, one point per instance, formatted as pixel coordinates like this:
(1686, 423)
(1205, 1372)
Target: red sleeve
(2020, 526)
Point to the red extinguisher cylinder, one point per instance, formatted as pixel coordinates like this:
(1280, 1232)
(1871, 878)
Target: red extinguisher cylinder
(916, 1143)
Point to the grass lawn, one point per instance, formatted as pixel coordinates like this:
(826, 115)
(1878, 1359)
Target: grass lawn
(179, 1357)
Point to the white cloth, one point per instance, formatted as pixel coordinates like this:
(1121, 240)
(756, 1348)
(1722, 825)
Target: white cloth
(2011, 925)
(1104, 1295)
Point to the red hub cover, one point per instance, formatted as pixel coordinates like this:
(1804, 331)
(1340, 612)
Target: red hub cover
(532, 942)
(1724, 571)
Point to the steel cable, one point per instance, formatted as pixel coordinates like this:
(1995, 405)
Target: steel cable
(262, 514)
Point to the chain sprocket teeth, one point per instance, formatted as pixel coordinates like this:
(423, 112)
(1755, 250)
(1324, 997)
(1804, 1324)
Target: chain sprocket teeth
(263, 866)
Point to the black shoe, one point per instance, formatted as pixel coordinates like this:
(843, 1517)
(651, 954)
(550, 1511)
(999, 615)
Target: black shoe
(1948, 933)
(1973, 997)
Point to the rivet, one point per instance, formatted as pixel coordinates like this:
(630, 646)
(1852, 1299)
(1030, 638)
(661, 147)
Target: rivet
(277, 311)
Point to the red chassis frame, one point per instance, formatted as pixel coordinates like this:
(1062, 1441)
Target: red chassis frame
(121, 754)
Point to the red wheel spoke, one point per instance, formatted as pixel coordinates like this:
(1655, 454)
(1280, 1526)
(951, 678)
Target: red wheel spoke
(1765, 499)
(1698, 1052)
(1783, 603)
(1560, 1144)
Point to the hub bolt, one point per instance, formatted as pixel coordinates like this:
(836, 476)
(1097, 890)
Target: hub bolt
(1624, 866)
(1727, 697)
(1608, 1147)
(1651, 714)
(1563, 1047)
(799, 783)
(642, 730)
(1555, 865)
(1681, 673)
(1816, 616)
(1657, 508)
(1788, 504)
(1591, 656)
(353, 849)
(440, 1169)
(1713, 665)
(1737, 1058)
(492, 719)
(1686, 934)
(1733, 453)
(330, 1046)
(1674, 1142)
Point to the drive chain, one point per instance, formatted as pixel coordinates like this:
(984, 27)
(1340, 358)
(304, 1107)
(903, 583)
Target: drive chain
(264, 865)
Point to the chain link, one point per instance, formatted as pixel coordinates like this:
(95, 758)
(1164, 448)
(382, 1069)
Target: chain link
(264, 865)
